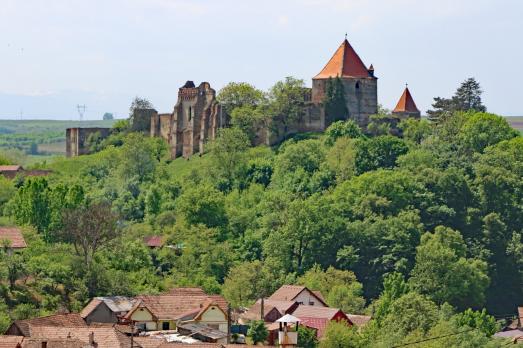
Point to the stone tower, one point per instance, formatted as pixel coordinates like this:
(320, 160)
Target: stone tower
(195, 119)
(406, 106)
(360, 84)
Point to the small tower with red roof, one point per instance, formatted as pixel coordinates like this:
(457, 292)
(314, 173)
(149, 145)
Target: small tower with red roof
(360, 84)
(406, 106)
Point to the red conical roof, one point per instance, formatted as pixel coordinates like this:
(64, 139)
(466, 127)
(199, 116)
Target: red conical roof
(406, 103)
(344, 63)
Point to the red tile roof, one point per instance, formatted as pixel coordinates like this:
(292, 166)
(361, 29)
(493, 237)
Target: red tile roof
(14, 236)
(319, 324)
(283, 307)
(153, 241)
(406, 103)
(344, 63)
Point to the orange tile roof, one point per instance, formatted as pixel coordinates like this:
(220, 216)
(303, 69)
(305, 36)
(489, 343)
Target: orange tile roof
(304, 311)
(344, 63)
(10, 168)
(10, 341)
(359, 320)
(283, 307)
(70, 320)
(14, 236)
(319, 324)
(174, 306)
(91, 306)
(187, 291)
(290, 292)
(406, 103)
(105, 337)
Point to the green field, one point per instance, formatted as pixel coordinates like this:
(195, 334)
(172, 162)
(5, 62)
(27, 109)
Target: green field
(48, 135)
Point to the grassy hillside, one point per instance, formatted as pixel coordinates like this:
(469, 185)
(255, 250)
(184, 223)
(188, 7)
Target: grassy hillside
(48, 135)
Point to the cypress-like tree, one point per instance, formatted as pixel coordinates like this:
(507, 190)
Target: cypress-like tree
(335, 104)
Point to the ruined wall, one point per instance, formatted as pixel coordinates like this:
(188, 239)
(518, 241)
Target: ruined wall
(194, 120)
(76, 139)
(141, 120)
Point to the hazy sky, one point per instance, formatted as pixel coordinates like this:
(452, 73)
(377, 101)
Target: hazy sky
(55, 54)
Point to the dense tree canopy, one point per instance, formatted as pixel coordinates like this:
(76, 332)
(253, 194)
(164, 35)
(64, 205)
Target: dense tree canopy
(414, 230)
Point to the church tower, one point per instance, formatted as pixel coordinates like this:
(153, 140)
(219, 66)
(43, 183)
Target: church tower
(360, 84)
(406, 106)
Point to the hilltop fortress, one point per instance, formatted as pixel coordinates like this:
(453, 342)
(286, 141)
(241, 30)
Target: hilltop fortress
(197, 115)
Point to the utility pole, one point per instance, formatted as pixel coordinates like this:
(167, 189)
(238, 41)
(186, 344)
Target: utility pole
(81, 111)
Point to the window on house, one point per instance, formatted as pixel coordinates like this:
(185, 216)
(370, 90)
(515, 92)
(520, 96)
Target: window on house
(358, 85)
(214, 326)
(190, 113)
(165, 325)
(300, 303)
(311, 303)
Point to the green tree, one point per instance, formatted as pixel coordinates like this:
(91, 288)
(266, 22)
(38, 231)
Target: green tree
(339, 335)
(340, 288)
(287, 100)
(247, 282)
(410, 312)
(415, 130)
(379, 152)
(239, 94)
(307, 337)
(479, 320)
(31, 204)
(228, 155)
(342, 129)
(250, 119)
(108, 116)
(202, 205)
(468, 96)
(334, 100)
(443, 272)
(257, 332)
(481, 130)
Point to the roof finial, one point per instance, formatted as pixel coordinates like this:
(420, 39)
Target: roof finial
(345, 36)
(406, 85)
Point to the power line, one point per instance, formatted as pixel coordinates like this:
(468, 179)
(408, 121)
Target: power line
(432, 338)
(81, 110)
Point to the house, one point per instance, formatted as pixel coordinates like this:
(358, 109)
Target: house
(28, 327)
(319, 317)
(164, 312)
(202, 333)
(272, 310)
(153, 242)
(11, 171)
(300, 294)
(107, 309)
(12, 238)
(359, 320)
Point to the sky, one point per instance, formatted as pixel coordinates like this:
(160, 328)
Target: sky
(57, 54)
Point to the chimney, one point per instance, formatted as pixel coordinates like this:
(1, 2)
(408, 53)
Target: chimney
(92, 343)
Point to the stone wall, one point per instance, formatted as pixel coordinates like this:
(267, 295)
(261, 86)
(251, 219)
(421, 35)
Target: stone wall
(361, 95)
(193, 122)
(76, 139)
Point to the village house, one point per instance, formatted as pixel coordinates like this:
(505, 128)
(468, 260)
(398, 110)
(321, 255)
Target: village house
(272, 310)
(300, 294)
(107, 309)
(12, 238)
(165, 312)
(11, 171)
